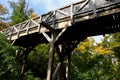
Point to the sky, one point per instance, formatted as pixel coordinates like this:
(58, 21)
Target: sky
(43, 6)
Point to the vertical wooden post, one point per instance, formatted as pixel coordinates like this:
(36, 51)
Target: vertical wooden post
(60, 72)
(72, 14)
(68, 66)
(51, 56)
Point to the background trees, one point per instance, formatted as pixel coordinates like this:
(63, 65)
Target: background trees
(9, 68)
(97, 61)
(3, 12)
(21, 12)
(90, 60)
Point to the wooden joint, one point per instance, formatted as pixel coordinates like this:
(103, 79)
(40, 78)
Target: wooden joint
(83, 5)
(35, 22)
(64, 13)
(46, 25)
(48, 16)
(61, 33)
(15, 29)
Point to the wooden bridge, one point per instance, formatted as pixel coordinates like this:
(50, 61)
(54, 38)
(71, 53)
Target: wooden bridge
(66, 26)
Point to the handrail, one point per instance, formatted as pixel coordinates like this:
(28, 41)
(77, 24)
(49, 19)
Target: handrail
(51, 17)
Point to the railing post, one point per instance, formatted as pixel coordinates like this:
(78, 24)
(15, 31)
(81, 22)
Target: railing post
(72, 14)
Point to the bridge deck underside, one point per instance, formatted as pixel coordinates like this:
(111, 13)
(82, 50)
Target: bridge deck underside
(79, 31)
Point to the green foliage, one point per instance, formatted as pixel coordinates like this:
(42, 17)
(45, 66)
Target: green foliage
(18, 15)
(20, 11)
(9, 69)
(37, 60)
(90, 61)
(97, 62)
(29, 76)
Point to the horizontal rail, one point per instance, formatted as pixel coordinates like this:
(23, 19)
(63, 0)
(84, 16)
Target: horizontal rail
(57, 17)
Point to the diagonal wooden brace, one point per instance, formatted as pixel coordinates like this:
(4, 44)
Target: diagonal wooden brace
(83, 5)
(46, 25)
(56, 71)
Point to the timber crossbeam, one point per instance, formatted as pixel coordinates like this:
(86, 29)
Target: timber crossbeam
(62, 17)
(54, 24)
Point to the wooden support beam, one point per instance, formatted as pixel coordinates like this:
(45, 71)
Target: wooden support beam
(60, 70)
(12, 43)
(63, 30)
(68, 67)
(51, 56)
(56, 71)
(72, 14)
(46, 36)
(39, 27)
(49, 15)
(46, 25)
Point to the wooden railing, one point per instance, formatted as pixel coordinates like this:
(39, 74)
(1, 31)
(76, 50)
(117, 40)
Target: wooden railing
(61, 18)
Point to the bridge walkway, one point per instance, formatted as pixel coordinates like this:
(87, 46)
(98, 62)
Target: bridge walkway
(65, 27)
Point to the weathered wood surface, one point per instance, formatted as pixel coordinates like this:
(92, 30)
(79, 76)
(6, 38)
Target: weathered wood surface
(63, 17)
(66, 24)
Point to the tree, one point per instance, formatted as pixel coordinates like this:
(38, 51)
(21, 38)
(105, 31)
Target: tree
(92, 61)
(37, 60)
(20, 11)
(32, 14)
(3, 12)
(9, 68)
(115, 47)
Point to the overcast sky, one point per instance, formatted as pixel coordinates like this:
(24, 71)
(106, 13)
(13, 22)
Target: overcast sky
(43, 6)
